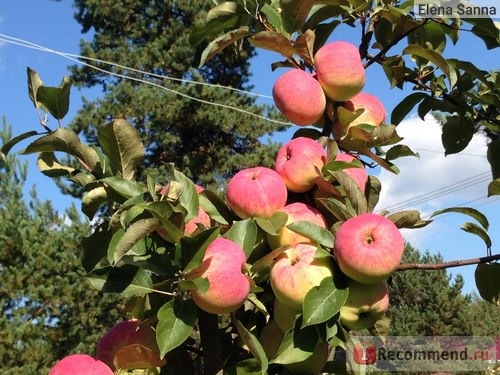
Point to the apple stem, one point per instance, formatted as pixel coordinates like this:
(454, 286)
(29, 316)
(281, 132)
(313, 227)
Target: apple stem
(450, 264)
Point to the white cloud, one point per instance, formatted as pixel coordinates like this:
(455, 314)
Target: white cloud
(433, 181)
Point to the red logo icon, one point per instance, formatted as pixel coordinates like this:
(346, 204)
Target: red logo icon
(365, 353)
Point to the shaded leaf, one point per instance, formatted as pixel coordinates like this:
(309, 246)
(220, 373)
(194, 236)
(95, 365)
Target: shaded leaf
(372, 192)
(133, 234)
(493, 155)
(122, 144)
(273, 41)
(93, 200)
(127, 280)
(399, 151)
(6, 147)
(254, 346)
(34, 83)
(294, 13)
(216, 207)
(200, 284)
(457, 133)
(353, 191)
(123, 187)
(323, 302)
(49, 165)
(431, 56)
(478, 231)
(176, 319)
(487, 278)
(55, 99)
(218, 44)
(297, 345)
(408, 219)
(404, 107)
(192, 249)
(494, 187)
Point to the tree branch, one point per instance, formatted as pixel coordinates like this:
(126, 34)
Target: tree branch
(451, 264)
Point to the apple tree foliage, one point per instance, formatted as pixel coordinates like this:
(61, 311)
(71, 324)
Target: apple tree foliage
(124, 253)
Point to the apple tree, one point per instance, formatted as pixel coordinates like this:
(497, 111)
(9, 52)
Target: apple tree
(277, 274)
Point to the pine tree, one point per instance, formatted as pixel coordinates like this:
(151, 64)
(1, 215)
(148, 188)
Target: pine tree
(47, 308)
(428, 302)
(207, 143)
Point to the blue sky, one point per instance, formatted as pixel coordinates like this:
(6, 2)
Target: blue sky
(429, 183)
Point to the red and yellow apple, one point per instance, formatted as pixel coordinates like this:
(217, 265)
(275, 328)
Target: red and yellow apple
(339, 70)
(374, 114)
(299, 163)
(296, 271)
(256, 192)
(365, 305)
(80, 364)
(129, 345)
(368, 248)
(297, 211)
(284, 316)
(300, 97)
(223, 265)
(357, 174)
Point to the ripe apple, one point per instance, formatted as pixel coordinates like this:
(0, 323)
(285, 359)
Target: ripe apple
(374, 114)
(340, 70)
(368, 248)
(299, 163)
(300, 97)
(297, 211)
(365, 305)
(357, 174)
(295, 271)
(80, 364)
(129, 344)
(222, 265)
(256, 192)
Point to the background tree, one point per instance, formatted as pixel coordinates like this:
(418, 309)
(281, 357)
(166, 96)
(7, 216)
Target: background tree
(47, 307)
(428, 302)
(206, 142)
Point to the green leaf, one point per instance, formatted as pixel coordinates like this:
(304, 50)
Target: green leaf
(55, 99)
(337, 208)
(297, 345)
(65, 140)
(323, 302)
(244, 233)
(95, 247)
(457, 133)
(273, 224)
(128, 280)
(192, 249)
(494, 187)
(253, 345)
(485, 29)
(472, 212)
(34, 83)
(125, 188)
(304, 46)
(188, 198)
(372, 192)
(216, 207)
(493, 155)
(274, 18)
(294, 13)
(6, 147)
(133, 234)
(176, 319)
(218, 44)
(273, 41)
(353, 191)
(404, 107)
(478, 231)
(408, 219)
(488, 282)
(200, 284)
(313, 231)
(431, 56)
(93, 200)
(122, 144)
(399, 151)
(49, 165)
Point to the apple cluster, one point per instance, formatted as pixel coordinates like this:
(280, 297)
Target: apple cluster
(127, 346)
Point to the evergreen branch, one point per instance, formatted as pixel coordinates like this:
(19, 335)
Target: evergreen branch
(450, 264)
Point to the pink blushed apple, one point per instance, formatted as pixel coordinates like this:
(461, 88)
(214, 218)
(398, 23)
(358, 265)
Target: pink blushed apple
(129, 344)
(357, 174)
(222, 265)
(340, 70)
(299, 96)
(368, 248)
(297, 211)
(80, 364)
(295, 272)
(365, 305)
(299, 163)
(256, 192)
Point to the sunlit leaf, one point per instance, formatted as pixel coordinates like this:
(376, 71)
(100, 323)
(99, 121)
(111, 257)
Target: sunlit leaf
(472, 212)
(253, 345)
(408, 219)
(294, 13)
(125, 188)
(49, 165)
(494, 187)
(191, 251)
(273, 41)
(478, 231)
(244, 233)
(297, 345)
(133, 234)
(323, 302)
(312, 231)
(122, 144)
(218, 44)
(176, 319)
(55, 99)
